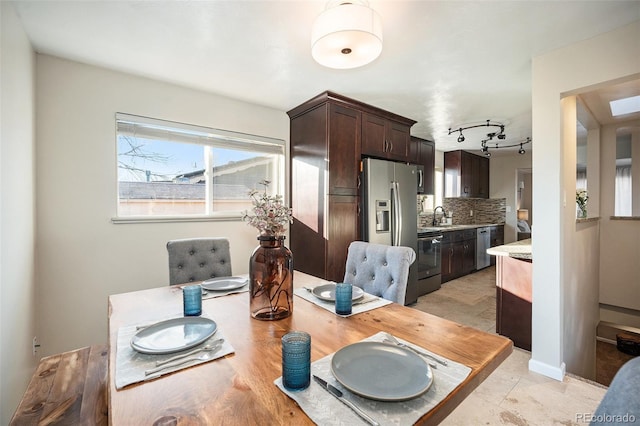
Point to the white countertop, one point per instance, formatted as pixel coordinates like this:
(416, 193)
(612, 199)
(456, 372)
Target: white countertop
(519, 249)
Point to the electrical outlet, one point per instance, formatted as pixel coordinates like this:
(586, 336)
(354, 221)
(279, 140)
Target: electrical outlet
(35, 345)
(470, 213)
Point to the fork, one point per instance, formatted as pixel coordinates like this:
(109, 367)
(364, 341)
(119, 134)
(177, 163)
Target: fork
(202, 357)
(390, 339)
(211, 346)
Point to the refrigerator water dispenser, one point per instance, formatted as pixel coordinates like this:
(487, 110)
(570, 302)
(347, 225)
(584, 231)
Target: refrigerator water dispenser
(383, 213)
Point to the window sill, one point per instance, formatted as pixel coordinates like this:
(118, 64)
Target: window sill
(588, 219)
(624, 217)
(230, 217)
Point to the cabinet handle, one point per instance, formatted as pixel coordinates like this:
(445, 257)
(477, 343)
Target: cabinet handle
(390, 146)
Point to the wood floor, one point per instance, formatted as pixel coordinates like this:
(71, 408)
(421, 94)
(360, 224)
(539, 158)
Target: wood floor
(512, 394)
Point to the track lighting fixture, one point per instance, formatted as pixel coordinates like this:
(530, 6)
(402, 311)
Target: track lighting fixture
(497, 134)
(485, 148)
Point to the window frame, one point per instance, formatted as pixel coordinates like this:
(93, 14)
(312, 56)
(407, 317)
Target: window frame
(205, 137)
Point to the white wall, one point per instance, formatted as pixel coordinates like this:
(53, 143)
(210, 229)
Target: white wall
(555, 75)
(82, 256)
(581, 265)
(503, 180)
(17, 211)
(620, 244)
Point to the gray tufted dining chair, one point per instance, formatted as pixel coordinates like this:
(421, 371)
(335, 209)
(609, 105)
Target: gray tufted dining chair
(379, 269)
(198, 259)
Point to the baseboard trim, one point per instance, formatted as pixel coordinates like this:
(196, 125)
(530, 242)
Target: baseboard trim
(556, 373)
(605, 340)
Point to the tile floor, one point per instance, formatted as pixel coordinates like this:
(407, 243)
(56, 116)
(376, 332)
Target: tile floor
(512, 395)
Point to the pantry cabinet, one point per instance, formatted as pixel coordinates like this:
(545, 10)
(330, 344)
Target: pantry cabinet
(327, 137)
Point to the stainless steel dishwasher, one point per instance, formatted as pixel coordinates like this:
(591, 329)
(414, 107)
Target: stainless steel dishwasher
(483, 241)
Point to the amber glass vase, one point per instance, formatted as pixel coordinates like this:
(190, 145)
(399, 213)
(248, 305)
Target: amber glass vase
(271, 279)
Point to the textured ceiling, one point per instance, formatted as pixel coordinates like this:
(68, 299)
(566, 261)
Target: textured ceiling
(443, 64)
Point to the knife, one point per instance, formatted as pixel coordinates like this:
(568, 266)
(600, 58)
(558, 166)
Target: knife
(338, 394)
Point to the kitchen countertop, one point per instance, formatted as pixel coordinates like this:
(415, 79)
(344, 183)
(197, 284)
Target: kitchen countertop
(518, 250)
(447, 228)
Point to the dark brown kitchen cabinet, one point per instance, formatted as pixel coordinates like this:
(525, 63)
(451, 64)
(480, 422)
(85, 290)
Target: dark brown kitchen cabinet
(466, 175)
(424, 153)
(458, 254)
(326, 136)
(386, 138)
(496, 239)
(325, 161)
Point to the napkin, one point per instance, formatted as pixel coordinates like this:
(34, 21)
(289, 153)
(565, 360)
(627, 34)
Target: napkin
(367, 303)
(324, 409)
(131, 365)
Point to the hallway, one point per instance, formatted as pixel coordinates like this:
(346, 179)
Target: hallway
(512, 394)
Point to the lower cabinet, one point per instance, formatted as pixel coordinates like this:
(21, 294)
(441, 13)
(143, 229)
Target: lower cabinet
(458, 253)
(496, 239)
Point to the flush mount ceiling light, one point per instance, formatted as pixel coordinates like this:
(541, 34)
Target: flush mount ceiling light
(348, 34)
(499, 133)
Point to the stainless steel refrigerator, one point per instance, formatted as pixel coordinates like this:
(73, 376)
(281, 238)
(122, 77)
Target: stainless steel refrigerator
(390, 213)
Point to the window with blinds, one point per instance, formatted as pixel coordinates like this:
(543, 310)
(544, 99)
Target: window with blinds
(176, 170)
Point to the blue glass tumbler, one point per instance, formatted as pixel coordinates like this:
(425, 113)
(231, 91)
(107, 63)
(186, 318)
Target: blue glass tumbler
(344, 303)
(296, 360)
(192, 300)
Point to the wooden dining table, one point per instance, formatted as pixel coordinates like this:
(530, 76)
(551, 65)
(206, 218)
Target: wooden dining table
(239, 388)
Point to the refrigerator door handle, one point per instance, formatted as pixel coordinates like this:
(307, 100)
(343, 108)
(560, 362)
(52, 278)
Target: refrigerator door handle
(396, 208)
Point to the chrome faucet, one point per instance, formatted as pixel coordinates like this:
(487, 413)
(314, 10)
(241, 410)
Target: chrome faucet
(434, 213)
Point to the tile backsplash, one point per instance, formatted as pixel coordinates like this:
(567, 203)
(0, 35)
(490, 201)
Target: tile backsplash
(485, 210)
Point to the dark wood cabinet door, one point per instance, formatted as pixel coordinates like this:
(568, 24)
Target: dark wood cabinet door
(344, 150)
(446, 261)
(398, 141)
(385, 138)
(374, 136)
(468, 257)
(483, 178)
(467, 177)
(452, 169)
(427, 159)
(458, 259)
(343, 228)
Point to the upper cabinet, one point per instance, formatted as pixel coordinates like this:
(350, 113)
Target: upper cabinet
(423, 153)
(386, 138)
(465, 175)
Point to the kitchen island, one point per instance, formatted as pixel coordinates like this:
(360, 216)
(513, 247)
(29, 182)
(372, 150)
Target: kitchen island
(513, 291)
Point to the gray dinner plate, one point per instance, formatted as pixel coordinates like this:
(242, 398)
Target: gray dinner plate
(224, 283)
(173, 335)
(327, 292)
(381, 371)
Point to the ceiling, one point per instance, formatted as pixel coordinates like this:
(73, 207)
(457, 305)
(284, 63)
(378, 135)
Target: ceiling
(443, 64)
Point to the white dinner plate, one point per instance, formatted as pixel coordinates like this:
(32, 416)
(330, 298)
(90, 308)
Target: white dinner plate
(381, 371)
(224, 283)
(173, 335)
(327, 292)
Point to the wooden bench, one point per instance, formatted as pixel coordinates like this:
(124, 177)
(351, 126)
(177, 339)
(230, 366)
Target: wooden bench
(67, 389)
